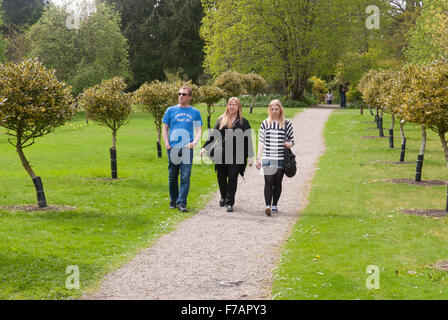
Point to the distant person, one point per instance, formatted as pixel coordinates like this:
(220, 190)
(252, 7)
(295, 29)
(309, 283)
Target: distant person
(232, 133)
(343, 90)
(329, 98)
(276, 134)
(179, 124)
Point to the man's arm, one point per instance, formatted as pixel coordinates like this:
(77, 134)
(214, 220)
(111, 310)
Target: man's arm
(166, 138)
(197, 138)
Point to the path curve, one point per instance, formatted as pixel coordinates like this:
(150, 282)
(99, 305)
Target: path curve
(220, 255)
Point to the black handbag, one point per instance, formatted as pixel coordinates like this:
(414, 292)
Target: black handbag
(289, 162)
(215, 152)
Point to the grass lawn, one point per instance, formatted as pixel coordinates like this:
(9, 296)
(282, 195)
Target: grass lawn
(112, 220)
(354, 219)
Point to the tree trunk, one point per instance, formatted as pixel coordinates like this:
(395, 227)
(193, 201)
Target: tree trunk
(41, 201)
(380, 124)
(209, 112)
(113, 155)
(377, 119)
(253, 103)
(403, 142)
(297, 87)
(159, 148)
(420, 157)
(445, 147)
(391, 133)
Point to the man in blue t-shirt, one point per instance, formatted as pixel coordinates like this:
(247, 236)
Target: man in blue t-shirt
(179, 124)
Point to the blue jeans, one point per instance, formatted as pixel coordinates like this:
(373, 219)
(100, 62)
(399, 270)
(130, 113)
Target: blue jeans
(181, 162)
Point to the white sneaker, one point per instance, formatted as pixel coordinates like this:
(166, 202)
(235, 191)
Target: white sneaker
(274, 209)
(268, 210)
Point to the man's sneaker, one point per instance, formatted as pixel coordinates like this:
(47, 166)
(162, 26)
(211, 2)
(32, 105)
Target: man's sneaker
(173, 205)
(183, 208)
(222, 202)
(229, 208)
(274, 209)
(268, 210)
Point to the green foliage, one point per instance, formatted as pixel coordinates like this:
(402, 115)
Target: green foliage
(254, 84)
(2, 41)
(210, 95)
(426, 100)
(428, 39)
(282, 40)
(17, 45)
(108, 104)
(81, 57)
(365, 86)
(156, 97)
(231, 83)
(264, 100)
(22, 12)
(163, 36)
(34, 102)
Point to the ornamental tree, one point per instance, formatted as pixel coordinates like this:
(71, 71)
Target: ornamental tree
(254, 85)
(363, 87)
(210, 95)
(231, 82)
(156, 97)
(33, 104)
(426, 101)
(109, 106)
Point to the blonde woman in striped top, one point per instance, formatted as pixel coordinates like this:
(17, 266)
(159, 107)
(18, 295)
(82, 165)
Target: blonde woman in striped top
(276, 134)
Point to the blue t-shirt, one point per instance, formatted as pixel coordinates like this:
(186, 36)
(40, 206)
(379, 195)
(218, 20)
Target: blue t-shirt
(182, 122)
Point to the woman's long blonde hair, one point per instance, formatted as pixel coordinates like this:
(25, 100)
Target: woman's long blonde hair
(281, 119)
(225, 118)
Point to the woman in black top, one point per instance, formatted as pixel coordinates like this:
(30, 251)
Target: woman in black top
(231, 143)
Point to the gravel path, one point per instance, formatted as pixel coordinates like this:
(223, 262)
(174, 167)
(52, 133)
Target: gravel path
(220, 255)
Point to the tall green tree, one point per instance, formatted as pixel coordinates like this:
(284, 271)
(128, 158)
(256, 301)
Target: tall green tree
(85, 56)
(163, 37)
(22, 12)
(280, 39)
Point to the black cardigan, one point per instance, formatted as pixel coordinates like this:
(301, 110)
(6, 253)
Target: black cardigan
(248, 147)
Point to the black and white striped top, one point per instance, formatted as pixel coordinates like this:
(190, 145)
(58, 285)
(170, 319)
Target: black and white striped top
(273, 137)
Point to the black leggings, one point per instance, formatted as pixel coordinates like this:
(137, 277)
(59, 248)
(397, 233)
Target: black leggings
(273, 187)
(228, 180)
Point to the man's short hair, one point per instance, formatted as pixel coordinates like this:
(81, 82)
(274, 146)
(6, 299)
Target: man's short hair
(190, 92)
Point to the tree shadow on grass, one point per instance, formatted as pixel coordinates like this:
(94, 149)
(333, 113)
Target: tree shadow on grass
(36, 208)
(427, 212)
(425, 183)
